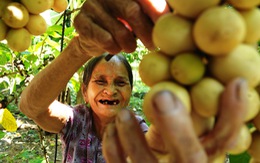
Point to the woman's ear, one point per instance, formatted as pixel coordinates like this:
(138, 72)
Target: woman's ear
(84, 92)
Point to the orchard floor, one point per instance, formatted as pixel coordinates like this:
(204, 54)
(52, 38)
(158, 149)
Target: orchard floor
(25, 145)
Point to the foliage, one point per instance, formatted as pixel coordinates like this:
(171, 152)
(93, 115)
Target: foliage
(241, 158)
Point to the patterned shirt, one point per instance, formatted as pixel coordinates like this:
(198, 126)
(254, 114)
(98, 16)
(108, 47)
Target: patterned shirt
(79, 141)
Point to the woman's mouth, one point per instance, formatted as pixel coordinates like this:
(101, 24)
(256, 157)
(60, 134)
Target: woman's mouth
(109, 102)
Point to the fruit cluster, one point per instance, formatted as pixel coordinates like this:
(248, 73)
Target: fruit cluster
(202, 45)
(19, 20)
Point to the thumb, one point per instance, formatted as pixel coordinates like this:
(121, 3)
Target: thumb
(175, 127)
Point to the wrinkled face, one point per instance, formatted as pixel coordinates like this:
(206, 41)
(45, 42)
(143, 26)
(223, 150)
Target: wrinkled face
(109, 89)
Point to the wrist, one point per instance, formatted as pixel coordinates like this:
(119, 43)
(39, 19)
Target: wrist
(75, 49)
(86, 49)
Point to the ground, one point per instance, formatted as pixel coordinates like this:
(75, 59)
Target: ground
(25, 145)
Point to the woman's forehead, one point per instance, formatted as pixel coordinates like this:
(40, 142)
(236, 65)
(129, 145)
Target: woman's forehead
(113, 66)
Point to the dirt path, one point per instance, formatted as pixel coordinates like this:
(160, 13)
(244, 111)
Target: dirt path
(24, 145)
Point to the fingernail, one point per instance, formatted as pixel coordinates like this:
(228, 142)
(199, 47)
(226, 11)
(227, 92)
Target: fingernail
(242, 88)
(165, 101)
(124, 115)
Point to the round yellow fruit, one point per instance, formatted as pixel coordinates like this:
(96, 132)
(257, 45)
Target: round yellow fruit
(254, 148)
(173, 34)
(3, 30)
(218, 30)
(256, 121)
(36, 25)
(60, 5)
(243, 61)
(15, 15)
(154, 67)
(244, 4)
(37, 6)
(202, 125)
(219, 159)
(187, 68)
(252, 18)
(175, 88)
(253, 107)
(205, 96)
(191, 8)
(244, 140)
(18, 39)
(3, 4)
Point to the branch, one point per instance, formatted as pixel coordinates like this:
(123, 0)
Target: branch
(9, 74)
(42, 144)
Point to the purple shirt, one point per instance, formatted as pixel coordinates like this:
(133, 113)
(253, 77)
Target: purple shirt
(79, 142)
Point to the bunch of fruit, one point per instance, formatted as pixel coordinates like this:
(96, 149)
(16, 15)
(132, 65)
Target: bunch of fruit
(202, 45)
(19, 20)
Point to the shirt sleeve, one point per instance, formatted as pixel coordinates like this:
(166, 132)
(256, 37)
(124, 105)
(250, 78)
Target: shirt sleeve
(74, 124)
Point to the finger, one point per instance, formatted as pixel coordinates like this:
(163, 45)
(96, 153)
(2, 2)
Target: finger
(111, 148)
(102, 16)
(132, 12)
(172, 120)
(154, 8)
(132, 138)
(103, 29)
(154, 140)
(230, 119)
(156, 143)
(93, 37)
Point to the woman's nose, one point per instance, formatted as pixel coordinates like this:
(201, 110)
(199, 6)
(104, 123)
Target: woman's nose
(110, 89)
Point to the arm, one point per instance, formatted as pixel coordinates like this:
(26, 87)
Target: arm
(38, 99)
(100, 32)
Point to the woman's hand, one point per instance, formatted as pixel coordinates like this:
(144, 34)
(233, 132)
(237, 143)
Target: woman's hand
(172, 135)
(113, 25)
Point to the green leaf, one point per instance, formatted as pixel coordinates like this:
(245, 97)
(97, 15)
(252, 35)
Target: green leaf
(12, 86)
(2, 134)
(54, 28)
(5, 54)
(54, 44)
(69, 31)
(4, 49)
(29, 60)
(54, 31)
(3, 59)
(38, 160)
(241, 158)
(4, 83)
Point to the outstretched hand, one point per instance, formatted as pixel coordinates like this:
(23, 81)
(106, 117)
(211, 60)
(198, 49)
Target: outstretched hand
(171, 138)
(113, 25)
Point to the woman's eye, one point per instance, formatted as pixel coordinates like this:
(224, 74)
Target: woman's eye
(121, 83)
(100, 82)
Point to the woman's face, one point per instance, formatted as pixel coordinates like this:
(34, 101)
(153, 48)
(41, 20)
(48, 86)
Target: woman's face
(109, 89)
